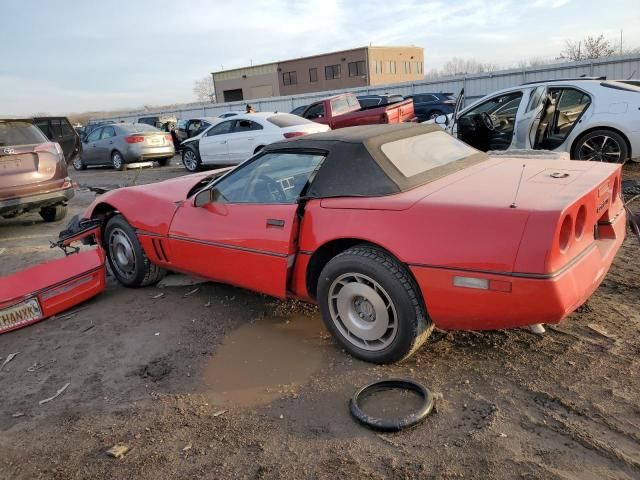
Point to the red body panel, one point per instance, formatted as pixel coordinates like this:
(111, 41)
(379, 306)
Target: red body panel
(58, 285)
(460, 225)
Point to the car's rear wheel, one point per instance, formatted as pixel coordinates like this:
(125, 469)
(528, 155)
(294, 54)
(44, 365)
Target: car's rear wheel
(191, 160)
(117, 160)
(127, 259)
(162, 162)
(434, 114)
(601, 146)
(78, 164)
(372, 305)
(258, 148)
(53, 214)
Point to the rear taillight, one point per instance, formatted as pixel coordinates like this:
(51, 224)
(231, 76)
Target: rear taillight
(566, 231)
(134, 139)
(50, 147)
(294, 134)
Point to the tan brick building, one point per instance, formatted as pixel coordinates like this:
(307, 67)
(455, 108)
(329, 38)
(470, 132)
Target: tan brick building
(358, 67)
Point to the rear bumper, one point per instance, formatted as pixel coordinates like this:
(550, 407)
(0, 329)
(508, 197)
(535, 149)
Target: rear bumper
(31, 202)
(148, 153)
(517, 300)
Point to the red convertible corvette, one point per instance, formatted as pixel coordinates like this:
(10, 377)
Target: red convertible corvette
(391, 229)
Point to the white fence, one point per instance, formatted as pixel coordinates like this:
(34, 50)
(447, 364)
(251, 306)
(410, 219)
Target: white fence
(476, 86)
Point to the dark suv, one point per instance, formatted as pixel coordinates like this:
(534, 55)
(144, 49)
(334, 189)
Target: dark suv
(59, 130)
(33, 172)
(431, 105)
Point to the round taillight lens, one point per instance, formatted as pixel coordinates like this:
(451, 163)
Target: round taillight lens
(581, 220)
(565, 233)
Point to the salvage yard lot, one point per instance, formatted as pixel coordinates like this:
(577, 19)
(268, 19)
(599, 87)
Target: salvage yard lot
(223, 383)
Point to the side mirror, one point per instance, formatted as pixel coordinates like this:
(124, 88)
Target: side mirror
(442, 120)
(202, 198)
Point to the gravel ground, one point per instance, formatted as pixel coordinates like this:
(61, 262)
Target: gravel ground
(224, 383)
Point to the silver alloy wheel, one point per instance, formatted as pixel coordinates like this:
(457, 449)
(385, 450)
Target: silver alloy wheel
(121, 253)
(190, 160)
(363, 311)
(600, 148)
(116, 159)
(77, 163)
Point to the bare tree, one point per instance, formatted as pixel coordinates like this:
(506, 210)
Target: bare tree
(587, 49)
(461, 66)
(203, 89)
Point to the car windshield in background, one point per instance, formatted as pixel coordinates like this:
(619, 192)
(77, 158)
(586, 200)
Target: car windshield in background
(284, 120)
(20, 133)
(343, 104)
(419, 154)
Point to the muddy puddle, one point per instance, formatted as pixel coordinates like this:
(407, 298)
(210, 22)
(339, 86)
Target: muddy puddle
(396, 403)
(266, 359)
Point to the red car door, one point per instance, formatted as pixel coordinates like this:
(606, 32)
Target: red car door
(247, 245)
(243, 228)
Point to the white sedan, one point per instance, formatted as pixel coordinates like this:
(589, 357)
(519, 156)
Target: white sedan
(234, 140)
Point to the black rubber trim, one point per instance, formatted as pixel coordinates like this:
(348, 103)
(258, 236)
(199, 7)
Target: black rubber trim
(392, 424)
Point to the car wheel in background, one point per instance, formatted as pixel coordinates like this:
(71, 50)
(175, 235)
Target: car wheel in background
(258, 148)
(127, 259)
(117, 160)
(601, 146)
(434, 114)
(53, 214)
(191, 160)
(372, 305)
(78, 164)
(163, 162)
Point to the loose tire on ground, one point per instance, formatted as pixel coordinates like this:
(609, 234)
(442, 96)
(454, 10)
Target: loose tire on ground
(602, 146)
(371, 276)
(127, 259)
(53, 214)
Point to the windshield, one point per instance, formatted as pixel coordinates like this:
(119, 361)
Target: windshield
(421, 153)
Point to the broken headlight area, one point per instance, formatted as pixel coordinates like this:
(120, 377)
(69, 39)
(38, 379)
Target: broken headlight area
(87, 231)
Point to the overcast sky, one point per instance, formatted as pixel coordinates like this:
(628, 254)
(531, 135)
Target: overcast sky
(70, 56)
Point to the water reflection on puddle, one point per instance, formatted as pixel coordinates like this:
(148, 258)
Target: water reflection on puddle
(261, 361)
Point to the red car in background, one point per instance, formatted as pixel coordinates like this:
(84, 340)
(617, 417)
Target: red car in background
(391, 229)
(346, 111)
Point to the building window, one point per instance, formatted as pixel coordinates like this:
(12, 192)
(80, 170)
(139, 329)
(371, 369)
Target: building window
(313, 74)
(418, 67)
(331, 72)
(356, 69)
(378, 66)
(407, 67)
(289, 78)
(391, 66)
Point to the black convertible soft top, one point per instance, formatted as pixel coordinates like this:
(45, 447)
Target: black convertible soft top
(356, 165)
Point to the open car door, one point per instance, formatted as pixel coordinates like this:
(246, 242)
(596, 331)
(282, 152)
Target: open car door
(528, 119)
(451, 128)
(243, 229)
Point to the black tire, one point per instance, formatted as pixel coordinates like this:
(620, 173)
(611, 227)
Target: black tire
(433, 114)
(78, 164)
(191, 160)
(413, 324)
(601, 145)
(163, 162)
(258, 148)
(117, 160)
(53, 214)
(140, 272)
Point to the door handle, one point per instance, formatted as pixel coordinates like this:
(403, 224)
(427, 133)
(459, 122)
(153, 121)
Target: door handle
(250, 139)
(275, 223)
(223, 142)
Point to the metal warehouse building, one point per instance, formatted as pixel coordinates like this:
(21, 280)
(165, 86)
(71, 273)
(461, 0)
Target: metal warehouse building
(358, 67)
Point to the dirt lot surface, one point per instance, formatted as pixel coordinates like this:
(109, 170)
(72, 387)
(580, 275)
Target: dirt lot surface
(223, 383)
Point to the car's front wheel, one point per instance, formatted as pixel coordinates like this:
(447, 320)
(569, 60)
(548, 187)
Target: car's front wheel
(191, 160)
(127, 259)
(434, 114)
(78, 164)
(372, 305)
(117, 160)
(601, 146)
